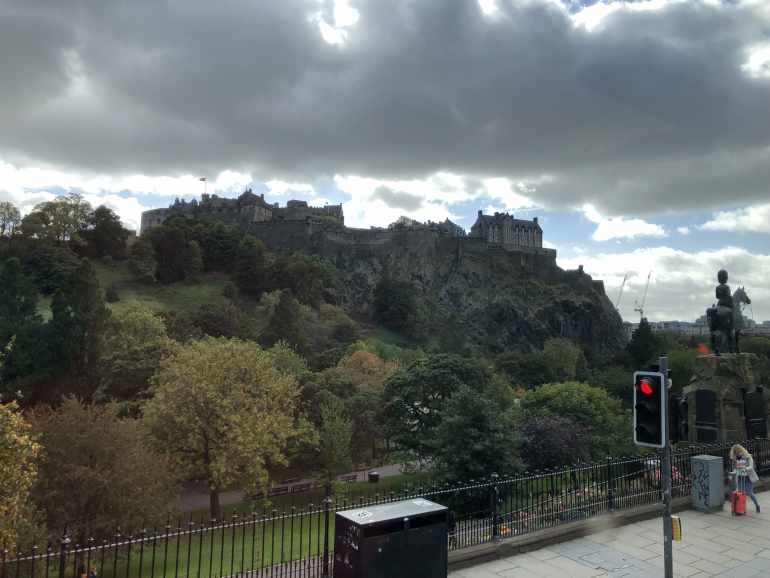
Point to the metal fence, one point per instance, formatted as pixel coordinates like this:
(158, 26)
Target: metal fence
(298, 542)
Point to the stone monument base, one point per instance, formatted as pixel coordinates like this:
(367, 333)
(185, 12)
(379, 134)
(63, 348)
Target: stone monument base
(724, 401)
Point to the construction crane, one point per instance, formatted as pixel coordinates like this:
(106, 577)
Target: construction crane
(620, 293)
(640, 306)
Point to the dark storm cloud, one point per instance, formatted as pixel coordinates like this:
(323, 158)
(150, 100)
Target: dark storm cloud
(649, 111)
(397, 199)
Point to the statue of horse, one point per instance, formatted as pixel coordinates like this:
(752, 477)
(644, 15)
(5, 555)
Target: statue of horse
(726, 323)
(740, 300)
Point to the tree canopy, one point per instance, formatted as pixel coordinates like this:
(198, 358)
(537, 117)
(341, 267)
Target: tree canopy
(225, 412)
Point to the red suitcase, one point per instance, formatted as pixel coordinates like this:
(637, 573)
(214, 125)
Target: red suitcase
(738, 502)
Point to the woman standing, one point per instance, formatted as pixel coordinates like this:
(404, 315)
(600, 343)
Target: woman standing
(745, 474)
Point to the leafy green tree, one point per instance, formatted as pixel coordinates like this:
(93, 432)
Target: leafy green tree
(224, 320)
(307, 277)
(105, 234)
(526, 370)
(18, 470)
(10, 218)
(414, 398)
(79, 317)
(250, 266)
(553, 441)
(99, 471)
(396, 305)
(564, 359)
(170, 245)
(193, 260)
(51, 267)
(142, 260)
(477, 435)
(335, 435)
(134, 341)
(588, 406)
(18, 300)
(644, 345)
(681, 364)
(219, 243)
(58, 220)
(226, 413)
(285, 324)
(616, 380)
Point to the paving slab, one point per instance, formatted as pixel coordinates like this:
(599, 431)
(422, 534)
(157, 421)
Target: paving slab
(716, 544)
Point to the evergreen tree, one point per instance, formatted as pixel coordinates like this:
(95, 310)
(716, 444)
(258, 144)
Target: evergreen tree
(18, 300)
(142, 260)
(285, 324)
(79, 317)
(249, 272)
(644, 345)
(193, 260)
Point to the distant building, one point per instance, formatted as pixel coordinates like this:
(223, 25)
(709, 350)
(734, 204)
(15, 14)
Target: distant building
(503, 229)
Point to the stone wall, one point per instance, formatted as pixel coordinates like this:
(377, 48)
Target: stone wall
(723, 390)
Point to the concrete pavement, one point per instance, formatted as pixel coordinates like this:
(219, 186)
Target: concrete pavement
(716, 544)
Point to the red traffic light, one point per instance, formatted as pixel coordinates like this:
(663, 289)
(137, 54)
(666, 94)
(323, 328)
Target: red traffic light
(645, 385)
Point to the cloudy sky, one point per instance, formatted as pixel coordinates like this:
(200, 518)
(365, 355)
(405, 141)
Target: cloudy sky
(639, 132)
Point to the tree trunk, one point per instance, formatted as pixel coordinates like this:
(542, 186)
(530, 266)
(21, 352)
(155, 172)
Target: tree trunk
(214, 505)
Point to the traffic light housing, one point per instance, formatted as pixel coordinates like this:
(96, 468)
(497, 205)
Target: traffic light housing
(650, 420)
(678, 424)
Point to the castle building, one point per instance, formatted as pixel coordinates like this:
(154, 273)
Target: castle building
(243, 211)
(503, 229)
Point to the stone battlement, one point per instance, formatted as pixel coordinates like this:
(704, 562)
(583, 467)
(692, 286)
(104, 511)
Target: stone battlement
(299, 226)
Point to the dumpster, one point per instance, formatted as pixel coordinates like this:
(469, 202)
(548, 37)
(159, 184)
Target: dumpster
(374, 477)
(405, 539)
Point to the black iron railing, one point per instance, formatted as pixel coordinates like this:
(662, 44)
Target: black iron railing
(298, 542)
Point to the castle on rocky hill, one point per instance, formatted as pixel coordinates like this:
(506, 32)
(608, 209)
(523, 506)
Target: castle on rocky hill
(281, 226)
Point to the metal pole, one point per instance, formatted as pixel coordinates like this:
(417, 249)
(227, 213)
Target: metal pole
(665, 477)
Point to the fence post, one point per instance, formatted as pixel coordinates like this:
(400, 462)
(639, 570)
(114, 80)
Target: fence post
(327, 510)
(65, 540)
(610, 486)
(495, 507)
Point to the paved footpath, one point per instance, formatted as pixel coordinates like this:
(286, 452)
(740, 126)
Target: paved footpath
(713, 545)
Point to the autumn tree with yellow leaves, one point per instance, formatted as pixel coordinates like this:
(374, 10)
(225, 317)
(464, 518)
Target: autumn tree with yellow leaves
(227, 413)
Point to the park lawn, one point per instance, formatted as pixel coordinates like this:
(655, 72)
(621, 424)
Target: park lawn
(234, 548)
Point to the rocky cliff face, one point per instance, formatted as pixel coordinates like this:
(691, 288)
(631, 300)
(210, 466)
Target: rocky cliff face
(492, 298)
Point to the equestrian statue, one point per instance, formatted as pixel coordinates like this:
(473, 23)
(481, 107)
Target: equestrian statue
(725, 317)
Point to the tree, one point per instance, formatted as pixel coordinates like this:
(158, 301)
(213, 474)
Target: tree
(477, 435)
(133, 343)
(51, 267)
(10, 219)
(79, 317)
(285, 323)
(170, 252)
(415, 398)
(142, 260)
(58, 220)
(564, 359)
(526, 370)
(224, 320)
(18, 300)
(395, 305)
(18, 470)
(105, 234)
(219, 243)
(250, 266)
(226, 413)
(98, 471)
(644, 345)
(589, 407)
(554, 441)
(335, 436)
(193, 260)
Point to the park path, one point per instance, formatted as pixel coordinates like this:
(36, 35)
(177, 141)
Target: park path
(195, 496)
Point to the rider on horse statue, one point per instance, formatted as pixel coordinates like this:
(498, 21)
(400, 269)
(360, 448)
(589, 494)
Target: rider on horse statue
(725, 318)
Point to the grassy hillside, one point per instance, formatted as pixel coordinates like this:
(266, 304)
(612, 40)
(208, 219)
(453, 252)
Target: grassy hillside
(181, 297)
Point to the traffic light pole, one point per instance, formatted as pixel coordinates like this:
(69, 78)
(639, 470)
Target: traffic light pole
(665, 477)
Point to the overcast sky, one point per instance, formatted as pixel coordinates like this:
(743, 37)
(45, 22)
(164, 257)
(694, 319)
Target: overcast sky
(639, 132)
